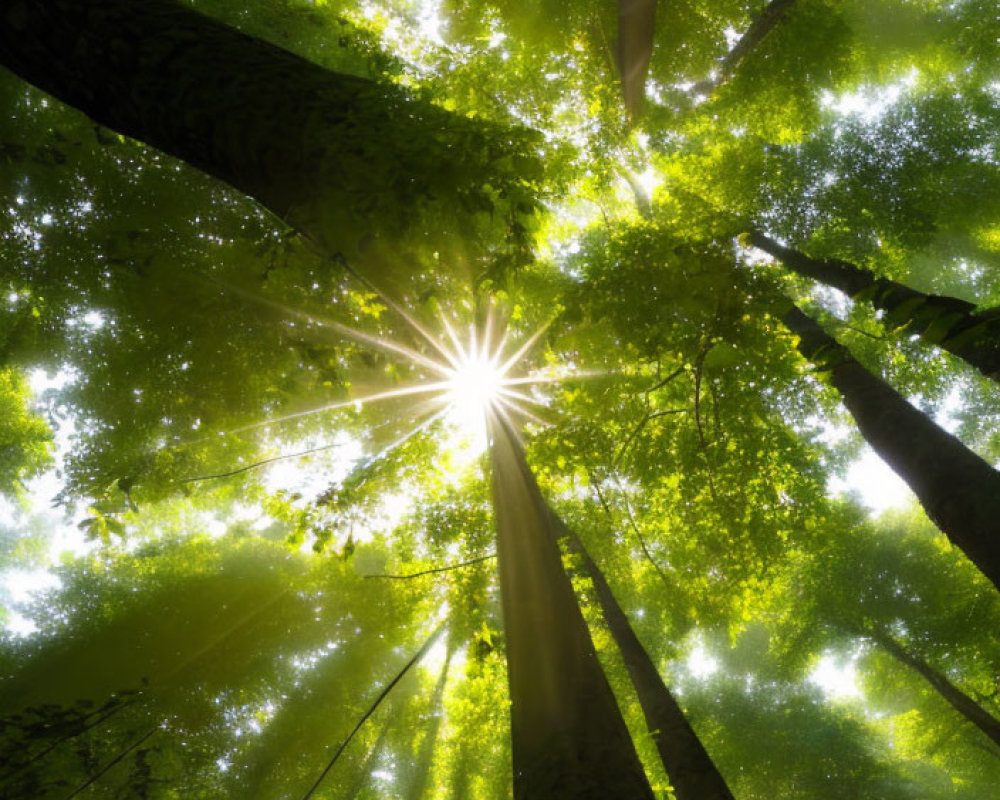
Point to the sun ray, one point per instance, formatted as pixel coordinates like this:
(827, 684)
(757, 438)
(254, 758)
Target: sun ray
(424, 388)
(523, 349)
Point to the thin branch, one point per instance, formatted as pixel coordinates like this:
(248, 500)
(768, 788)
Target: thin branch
(660, 384)
(102, 715)
(760, 27)
(638, 429)
(635, 528)
(256, 464)
(374, 706)
(436, 569)
(874, 336)
(118, 758)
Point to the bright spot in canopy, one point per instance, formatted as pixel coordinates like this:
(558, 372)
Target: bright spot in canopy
(474, 384)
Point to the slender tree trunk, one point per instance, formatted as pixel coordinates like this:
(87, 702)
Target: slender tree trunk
(959, 491)
(946, 322)
(692, 773)
(760, 27)
(954, 696)
(339, 157)
(568, 738)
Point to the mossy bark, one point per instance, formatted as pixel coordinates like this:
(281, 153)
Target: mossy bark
(569, 741)
(946, 322)
(959, 491)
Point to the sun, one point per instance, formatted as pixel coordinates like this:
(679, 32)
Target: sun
(475, 384)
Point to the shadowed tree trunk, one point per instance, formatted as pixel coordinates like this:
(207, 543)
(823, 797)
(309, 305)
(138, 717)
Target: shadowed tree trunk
(955, 697)
(692, 773)
(761, 25)
(633, 49)
(947, 322)
(341, 158)
(568, 738)
(959, 491)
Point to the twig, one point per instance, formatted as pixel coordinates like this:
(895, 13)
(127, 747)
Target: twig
(436, 569)
(94, 778)
(374, 706)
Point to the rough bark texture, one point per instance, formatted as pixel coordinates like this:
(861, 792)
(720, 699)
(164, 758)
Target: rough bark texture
(341, 158)
(569, 740)
(954, 696)
(959, 491)
(761, 25)
(691, 770)
(947, 322)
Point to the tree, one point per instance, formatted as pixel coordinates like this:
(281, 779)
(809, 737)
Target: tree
(379, 180)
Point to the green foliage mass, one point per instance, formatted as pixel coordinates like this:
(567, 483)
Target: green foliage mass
(266, 537)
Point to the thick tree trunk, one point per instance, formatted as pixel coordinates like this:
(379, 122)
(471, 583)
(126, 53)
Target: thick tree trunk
(946, 322)
(959, 491)
(761, 25)
(954, 696)
(341, 158)
(692, 773)
(569, 740)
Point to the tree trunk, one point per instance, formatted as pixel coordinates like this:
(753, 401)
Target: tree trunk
(692, 773)
(946, 322)
(568, 738)
(760, 26)
(954, 696)
(959, 491)
(633, 49)
(341, 158)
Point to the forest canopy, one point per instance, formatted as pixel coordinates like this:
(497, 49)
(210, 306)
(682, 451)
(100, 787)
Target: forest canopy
(455, 399)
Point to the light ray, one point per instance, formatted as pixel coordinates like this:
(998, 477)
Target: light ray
(524, 348)
(520, 396)
(424, 388)
(353, 333)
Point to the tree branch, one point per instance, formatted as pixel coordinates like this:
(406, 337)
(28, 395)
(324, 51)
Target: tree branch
(436, 569)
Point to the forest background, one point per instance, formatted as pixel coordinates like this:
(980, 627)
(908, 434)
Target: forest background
(248, 303)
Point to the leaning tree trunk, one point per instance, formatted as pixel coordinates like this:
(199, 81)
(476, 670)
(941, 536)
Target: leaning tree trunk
(946, 322)
(950, 693)
(341, 158)
(759, 29)
(568, 738)
(959, 491)
(691, 770)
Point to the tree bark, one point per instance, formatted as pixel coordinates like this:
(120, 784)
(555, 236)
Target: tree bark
(633, 49)
(955, 697)
(341, 158)
(946, 322)
(760, 26)
(959, 491)
(693, 775)
(568, 738)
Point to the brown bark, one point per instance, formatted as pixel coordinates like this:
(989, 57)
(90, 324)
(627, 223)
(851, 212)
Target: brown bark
(569, 741)
(761, 25)
(633, 49)
(955, 697)
(692, 773)
(959, 491)
(341, 158)
(946, 322)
